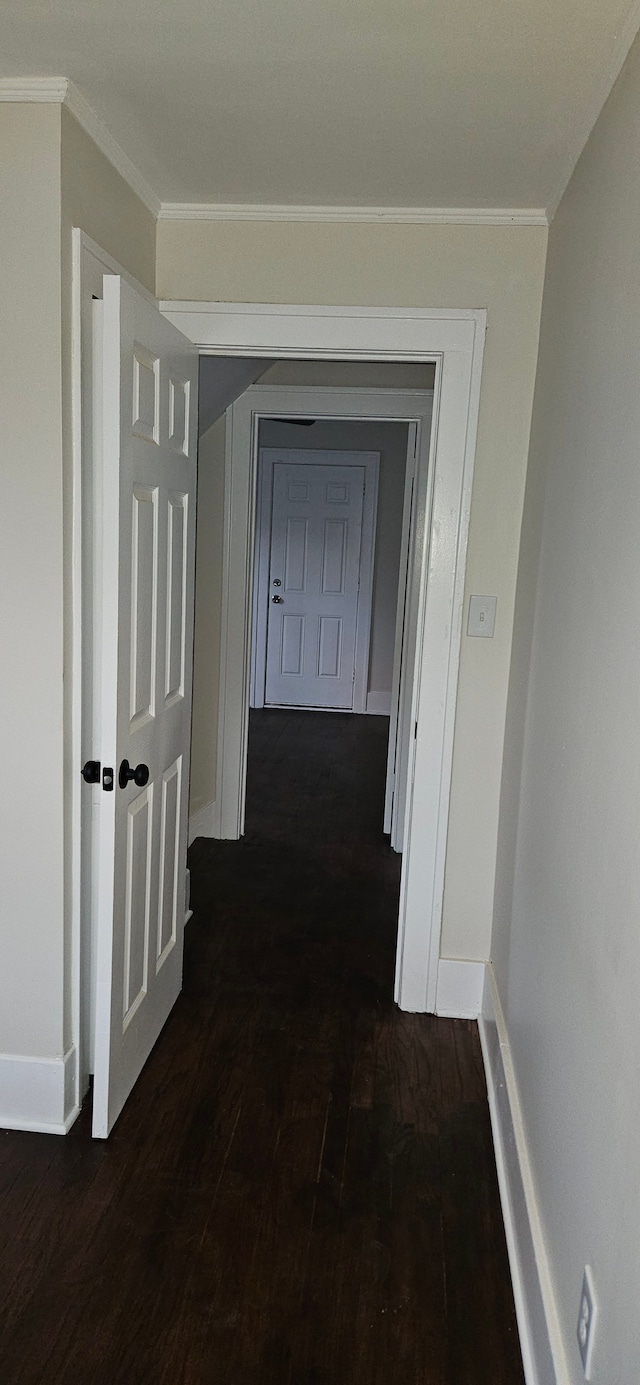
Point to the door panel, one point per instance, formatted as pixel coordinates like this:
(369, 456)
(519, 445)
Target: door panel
(295, 556)
(177, 577)
(144, 562)
(147, 585)
(330, 647)
(333, 557)
(170, 844)
(316, 533)
(138, 901)
(292, 645)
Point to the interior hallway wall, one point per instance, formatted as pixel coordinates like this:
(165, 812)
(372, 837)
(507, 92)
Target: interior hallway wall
(500, 268)
(96, 198)
(31, 586)
(566, 946)
(51, 177)
(358, 375)
(206, 654)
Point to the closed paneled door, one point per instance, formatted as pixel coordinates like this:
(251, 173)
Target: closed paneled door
(314, 567)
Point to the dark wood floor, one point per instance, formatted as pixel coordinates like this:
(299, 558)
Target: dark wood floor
(302, 1189)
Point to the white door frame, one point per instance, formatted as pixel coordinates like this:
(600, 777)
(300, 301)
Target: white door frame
(406, 610)
(264, 495)
(454, 340)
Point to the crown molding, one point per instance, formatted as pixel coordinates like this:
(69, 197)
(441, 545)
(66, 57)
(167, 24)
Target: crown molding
(61, 91)
(419, 216)
(64, 92)
(29, 89)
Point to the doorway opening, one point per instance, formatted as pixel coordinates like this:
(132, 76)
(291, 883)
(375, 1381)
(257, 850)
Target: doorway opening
(151, 392)
(337, 502)
(384, 425)
(350, 496)
(328, 548)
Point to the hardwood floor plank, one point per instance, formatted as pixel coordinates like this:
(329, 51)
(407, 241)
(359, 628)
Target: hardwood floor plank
(301, 1189)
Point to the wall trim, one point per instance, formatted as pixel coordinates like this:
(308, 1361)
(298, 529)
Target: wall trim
(379, 704)
(205, 823)
(38, 1094)
(30, 89)
(459, 989)
(538, 1322)
(63, 92)
(422, 216)
(313, 331)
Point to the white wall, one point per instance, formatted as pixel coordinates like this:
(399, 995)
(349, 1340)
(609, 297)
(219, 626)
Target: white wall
(500, 268)
(96, 198)
(51, 177)
(390, 440)
(567, 935)
(31, 586)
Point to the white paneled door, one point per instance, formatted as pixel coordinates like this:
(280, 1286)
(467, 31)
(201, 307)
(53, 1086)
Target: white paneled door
(146, 571)
(314, 569)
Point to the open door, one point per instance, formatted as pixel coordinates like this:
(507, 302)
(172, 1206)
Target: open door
(145, 570)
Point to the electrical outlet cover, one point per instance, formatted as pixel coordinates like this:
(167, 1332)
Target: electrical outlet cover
(587, 1321)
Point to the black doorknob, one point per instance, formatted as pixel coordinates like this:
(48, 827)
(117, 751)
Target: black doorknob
(277, 600)
(126, 773)
(91, 772)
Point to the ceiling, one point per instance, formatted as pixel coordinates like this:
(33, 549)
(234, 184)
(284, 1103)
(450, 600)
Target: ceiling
(380, 103)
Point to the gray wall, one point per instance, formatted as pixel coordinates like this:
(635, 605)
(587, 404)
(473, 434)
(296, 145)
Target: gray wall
(390, 375)
(566, 945)
(221, 380)
(206, 644)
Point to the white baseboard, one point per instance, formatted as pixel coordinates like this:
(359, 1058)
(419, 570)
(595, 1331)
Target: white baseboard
(538, 1324)
(459, 989)
(38, 1093)
(205, 823)
(379, 704)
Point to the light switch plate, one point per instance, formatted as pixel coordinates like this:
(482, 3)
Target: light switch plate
(482, 616)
